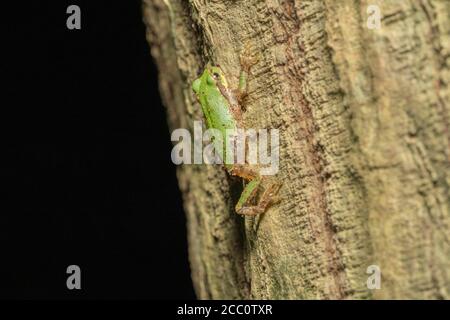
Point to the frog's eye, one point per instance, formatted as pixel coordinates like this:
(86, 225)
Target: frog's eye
(216, 76)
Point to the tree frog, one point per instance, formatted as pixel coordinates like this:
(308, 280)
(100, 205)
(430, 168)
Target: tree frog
(222, 108)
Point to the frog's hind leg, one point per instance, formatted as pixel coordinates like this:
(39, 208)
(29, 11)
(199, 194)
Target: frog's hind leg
(244, 205)
(248, 195)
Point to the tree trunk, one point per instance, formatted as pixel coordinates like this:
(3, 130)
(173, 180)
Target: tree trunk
(364, 124)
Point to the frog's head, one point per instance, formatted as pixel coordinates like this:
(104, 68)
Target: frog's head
(216, 76)
(211, 77)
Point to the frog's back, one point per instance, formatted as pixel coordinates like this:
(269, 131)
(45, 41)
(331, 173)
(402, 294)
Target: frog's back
(215, 106)
(217, 111)
(220, 114)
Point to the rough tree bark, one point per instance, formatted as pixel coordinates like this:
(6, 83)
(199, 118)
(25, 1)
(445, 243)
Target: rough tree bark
(364, 121)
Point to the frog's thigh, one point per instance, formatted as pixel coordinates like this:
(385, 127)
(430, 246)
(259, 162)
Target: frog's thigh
(244, 172)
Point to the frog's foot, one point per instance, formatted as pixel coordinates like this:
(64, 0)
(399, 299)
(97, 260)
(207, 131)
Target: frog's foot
(248, 59)
(270, 196)
(267, 199)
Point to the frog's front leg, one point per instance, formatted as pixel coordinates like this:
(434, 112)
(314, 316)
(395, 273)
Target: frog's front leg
(247, 61)
(245, 205)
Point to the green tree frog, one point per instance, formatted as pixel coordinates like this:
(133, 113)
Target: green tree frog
(222, 108)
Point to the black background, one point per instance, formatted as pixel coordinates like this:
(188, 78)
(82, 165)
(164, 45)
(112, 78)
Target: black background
(85, 169)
